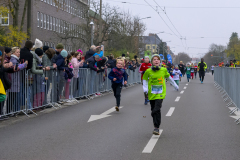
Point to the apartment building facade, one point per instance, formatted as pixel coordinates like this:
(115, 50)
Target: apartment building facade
(54, 21)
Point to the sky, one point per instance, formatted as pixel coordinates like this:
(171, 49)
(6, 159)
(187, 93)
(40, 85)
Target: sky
(198, 22)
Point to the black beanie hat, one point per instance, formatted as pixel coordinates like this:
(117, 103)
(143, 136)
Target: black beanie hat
(29, 44)
(45, 48)
(123, 55)
(8, 50)
(39, 52)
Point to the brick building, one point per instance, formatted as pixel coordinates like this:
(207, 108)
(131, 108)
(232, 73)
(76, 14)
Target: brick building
(54, 21)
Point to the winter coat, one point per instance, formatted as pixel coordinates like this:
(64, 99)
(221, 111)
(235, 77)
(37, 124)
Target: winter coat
(38, 75)
(111, 63)
(89, 54)
(119, 74)
(3, 72)
(36, 63)
(25, 54)
(100, 54)
(7, 59)
(15, 77)
(54, 58)
(91, 63)
(76, 66)
(60, 62)
(46, 62)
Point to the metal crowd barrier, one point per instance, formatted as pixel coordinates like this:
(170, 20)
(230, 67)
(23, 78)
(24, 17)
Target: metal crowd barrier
(227, 81)
(30, 92)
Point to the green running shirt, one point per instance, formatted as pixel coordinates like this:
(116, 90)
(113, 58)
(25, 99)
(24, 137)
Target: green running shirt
(156, 83)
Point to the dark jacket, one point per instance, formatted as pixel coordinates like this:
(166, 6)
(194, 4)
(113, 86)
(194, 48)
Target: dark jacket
(3, 72)
(111, 63)
(60, 62)
(91, 63)
(89, 54)
(25, 54)
(119, 74)
(54, 58)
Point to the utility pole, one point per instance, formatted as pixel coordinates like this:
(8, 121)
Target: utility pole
(100, 23)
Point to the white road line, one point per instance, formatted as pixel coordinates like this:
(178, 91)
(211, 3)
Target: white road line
(181, 92)
(170, 112)
(177, 99)
(152, 142)
(187, 84)
(184, 87)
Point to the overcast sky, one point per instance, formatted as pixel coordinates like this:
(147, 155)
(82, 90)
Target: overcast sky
(193, 19)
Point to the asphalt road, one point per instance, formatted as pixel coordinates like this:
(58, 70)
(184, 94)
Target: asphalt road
(197, 128)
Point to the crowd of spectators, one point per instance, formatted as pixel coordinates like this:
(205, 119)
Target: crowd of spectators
(41, 61)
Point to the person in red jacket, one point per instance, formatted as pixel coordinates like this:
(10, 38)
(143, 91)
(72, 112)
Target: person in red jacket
(144, 66)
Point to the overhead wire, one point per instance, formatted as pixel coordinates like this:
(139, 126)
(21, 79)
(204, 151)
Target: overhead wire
(162, 19)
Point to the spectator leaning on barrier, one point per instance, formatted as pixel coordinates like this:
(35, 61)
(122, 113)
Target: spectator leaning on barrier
(3, 83)
(91, 52)
(59, 48)
(101, 64)
(61, 65)
(38, 77)
(13, 101)
(47, 62)
(111, 63)
(76, 64)
(26, 55)
(92, 61)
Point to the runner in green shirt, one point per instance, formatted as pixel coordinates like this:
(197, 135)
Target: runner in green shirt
(154, 84)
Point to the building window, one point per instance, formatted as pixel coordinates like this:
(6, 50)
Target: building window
(59, 26)
(47, 22)
(50, 25)
(69, 6)
(41, 20)
(53, 3)
(45, 1)
(38, 19)
(4, 19)
(148, 47)
(54, 24)
(44, 23)
(153, 47)
(66, 1)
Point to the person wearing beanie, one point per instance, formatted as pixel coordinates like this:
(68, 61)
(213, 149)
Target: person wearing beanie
(59, 47)
(37, 61)
(144, 66)
(123, 55)
(26, 55)
(38, 44)
(64, 53)
(155, 86)
(45, 48)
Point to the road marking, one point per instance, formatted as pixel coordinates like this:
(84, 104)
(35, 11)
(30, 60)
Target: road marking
(152, 142)
(187, 84)
(103, 115)
(170, 112)
(177, 99)
(184, 87)
(181, 92)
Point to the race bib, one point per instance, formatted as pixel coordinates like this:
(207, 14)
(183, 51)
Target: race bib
(157, 89)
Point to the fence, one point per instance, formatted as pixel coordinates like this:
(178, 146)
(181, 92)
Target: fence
(34, 91)
(227, 81)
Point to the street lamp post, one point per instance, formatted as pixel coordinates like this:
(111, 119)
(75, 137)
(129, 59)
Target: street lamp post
(139, 33)
(91, 32)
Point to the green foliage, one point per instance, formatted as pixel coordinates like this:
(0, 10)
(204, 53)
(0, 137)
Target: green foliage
(13, 37)
(234, 46)
(118, 53)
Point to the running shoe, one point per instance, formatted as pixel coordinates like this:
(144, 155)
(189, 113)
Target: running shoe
(156, 131)
(117, 108)
(201, 81)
